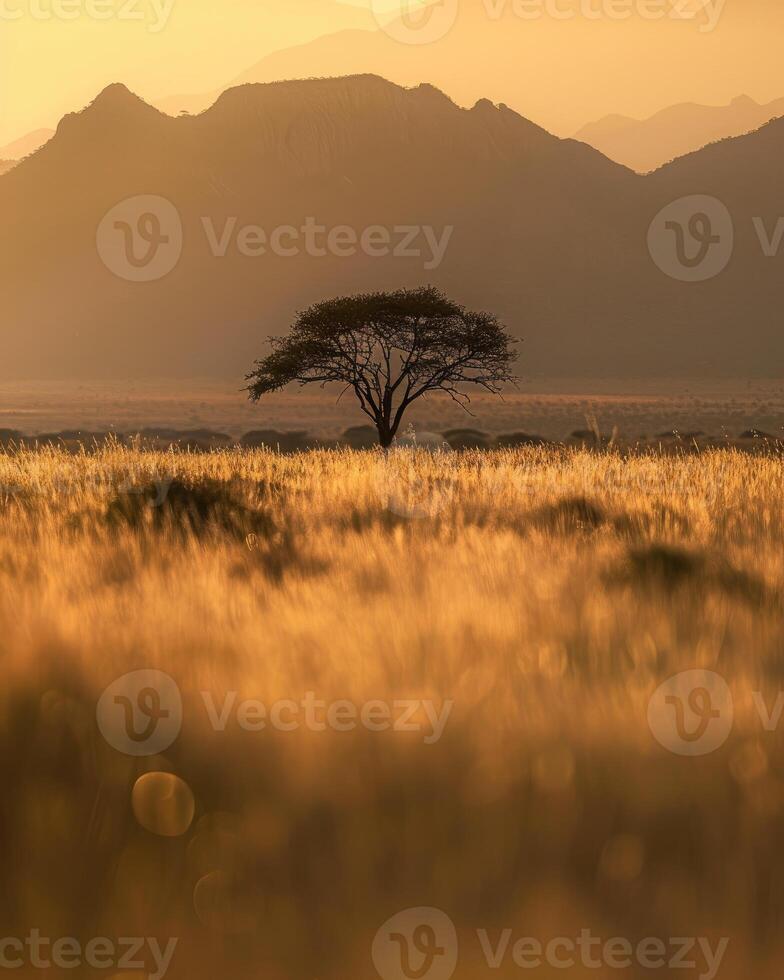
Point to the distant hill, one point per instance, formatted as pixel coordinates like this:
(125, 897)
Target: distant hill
(546, 232)
(645, 144)
(26, 145)
(363, 48)
(12, 153)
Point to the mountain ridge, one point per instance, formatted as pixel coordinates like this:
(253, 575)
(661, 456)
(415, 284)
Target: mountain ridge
(544, 231)
(269, 104)
(646, 144)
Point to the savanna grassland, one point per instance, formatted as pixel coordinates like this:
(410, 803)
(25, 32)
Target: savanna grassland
(545, 592)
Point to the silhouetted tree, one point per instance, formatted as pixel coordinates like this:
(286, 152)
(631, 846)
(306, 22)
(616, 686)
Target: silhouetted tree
(390, 349)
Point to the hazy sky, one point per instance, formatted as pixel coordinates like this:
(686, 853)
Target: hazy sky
(560, 62)
(50, 65)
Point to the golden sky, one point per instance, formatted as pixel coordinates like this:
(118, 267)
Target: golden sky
(559, 62)
(50, 65)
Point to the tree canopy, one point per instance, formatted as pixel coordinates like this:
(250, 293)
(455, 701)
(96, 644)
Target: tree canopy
(390, 349)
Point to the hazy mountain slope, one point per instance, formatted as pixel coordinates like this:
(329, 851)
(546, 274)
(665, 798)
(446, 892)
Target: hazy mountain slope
(738, 311)
(333, 55)
(26, 145)
(11, 154)
(548, 233)
(357, 151)
(645, 144)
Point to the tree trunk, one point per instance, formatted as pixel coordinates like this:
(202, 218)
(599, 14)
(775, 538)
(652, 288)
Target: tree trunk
(385, 437)
(385, 431)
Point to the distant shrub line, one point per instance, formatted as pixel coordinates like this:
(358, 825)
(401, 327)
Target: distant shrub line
(356, 437)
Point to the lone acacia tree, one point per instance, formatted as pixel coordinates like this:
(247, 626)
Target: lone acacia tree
(390, 349)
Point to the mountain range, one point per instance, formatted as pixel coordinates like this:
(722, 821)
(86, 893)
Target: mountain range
(546, 232)
(639, 144)
(560, 71)
(642, 145)
(645, 144)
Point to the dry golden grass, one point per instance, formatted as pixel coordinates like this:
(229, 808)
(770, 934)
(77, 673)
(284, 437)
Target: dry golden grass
(546, 592)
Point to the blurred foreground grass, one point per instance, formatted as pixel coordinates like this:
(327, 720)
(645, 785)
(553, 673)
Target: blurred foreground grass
(546, 592)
